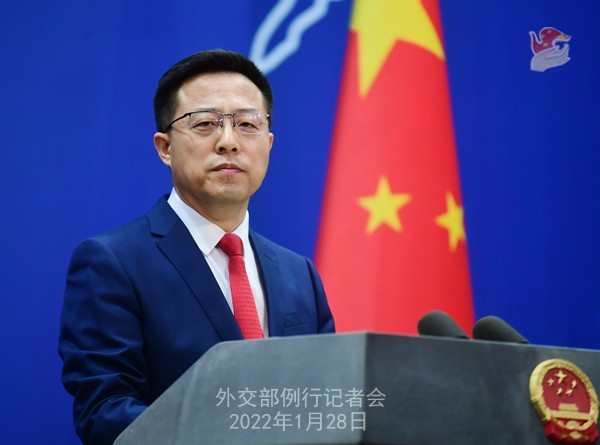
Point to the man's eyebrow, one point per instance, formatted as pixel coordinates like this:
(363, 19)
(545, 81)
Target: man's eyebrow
(249, 110)
(239, 110)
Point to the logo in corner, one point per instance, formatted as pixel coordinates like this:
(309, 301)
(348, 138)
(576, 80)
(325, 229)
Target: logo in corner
(566, 402)
(550, 49)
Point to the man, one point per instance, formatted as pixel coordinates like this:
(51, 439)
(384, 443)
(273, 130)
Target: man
(145, 301)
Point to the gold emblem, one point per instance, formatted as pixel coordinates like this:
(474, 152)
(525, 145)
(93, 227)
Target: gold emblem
(565, 400)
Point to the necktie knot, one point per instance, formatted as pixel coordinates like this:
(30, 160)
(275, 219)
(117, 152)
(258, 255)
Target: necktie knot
(231, 244)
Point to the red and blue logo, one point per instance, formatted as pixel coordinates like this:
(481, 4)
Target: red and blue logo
(550, 49)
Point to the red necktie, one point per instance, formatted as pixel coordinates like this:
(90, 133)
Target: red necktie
(244, 307)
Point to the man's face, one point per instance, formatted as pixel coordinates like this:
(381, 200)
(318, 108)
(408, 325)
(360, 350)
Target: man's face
(222, 169)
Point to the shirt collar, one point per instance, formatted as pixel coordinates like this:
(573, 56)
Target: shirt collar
(206, 234)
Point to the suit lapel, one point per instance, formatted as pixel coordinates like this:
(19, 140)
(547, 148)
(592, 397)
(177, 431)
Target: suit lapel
(179, 247)
(268, 267)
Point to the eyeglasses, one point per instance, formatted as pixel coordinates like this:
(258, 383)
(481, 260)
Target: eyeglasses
(208, 122)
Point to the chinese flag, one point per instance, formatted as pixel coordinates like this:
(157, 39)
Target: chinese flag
(392, 240)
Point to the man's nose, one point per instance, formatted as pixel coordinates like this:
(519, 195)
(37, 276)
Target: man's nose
(228, 140)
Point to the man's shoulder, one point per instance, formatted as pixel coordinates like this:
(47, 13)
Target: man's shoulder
(124, 231)
(269, 247)
(157, 221)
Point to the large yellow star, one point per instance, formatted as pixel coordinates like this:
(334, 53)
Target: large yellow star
(379, 24)
(560, 375)
(383, 206)
(452, 221)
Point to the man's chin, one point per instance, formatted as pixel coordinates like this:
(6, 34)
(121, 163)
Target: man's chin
(230, 194)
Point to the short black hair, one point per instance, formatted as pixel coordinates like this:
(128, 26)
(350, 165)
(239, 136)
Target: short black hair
(211, 61)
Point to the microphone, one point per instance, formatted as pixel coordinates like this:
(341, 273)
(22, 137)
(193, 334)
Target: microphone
(495, 329)
(440, 324)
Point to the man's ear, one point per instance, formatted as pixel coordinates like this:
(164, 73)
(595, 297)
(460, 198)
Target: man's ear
(271, 138)
(163, 147)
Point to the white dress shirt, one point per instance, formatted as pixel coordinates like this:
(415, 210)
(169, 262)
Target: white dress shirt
(206, 235)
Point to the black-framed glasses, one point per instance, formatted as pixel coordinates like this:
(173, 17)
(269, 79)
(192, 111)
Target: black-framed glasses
(208, 122)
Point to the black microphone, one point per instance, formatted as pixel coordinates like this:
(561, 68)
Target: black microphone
(495, 329)
(440, 324)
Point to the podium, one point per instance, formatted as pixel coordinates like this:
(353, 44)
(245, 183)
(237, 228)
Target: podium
(361, 388)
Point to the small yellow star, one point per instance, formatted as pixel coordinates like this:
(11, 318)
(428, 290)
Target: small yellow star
(452, 221)
(383, 206)
(569, 392)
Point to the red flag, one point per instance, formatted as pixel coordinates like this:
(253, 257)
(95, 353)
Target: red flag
(392, 241)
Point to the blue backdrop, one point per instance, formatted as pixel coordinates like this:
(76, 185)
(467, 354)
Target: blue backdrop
(77, 80)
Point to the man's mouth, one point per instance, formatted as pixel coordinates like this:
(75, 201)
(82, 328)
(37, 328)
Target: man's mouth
(227, 168)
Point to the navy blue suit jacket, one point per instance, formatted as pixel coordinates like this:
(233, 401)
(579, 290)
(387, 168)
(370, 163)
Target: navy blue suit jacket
(141, 306)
